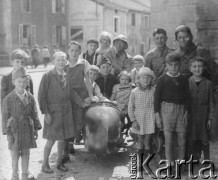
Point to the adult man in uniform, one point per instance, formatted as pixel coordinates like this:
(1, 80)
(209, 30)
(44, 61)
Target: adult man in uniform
(121, 61)
(155, 59)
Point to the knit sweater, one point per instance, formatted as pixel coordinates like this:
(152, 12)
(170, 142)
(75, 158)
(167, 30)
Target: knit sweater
(172, 90)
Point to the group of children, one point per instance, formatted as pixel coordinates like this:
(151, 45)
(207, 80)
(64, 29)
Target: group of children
(172, 102)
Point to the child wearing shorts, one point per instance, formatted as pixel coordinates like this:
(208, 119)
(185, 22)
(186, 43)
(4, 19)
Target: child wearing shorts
(171, 104)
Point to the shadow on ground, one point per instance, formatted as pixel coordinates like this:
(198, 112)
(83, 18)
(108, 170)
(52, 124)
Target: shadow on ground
(89, 166)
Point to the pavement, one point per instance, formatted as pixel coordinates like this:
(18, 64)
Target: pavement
(40, 68)
(83, 165)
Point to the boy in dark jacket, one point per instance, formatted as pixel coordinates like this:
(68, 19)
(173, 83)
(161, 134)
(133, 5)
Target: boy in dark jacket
(90, 54)
(106, 81)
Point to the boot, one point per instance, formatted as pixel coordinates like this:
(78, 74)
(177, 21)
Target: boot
(71, 149)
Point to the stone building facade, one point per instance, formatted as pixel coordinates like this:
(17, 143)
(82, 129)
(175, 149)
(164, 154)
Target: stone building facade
(29, 22)
(88, 18)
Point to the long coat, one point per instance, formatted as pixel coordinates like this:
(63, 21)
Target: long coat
(77, 84)
(202, 109)
(25, 121)
(7, 86)
(54, 98)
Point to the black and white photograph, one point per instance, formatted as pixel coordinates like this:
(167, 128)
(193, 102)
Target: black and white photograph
(108, 89)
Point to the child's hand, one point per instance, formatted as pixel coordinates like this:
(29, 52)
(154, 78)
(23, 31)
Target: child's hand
(86, 105)
(209, 124)
(35, 134)
(10, 138)
(115, 102)
(48, 119)
(95, 99)
(9, 121)
(135, 125)
(87, 100)
(158, 121)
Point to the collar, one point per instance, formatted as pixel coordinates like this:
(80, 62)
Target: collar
(192, 79)
(162, 49)
(79, 61)
(121, 53)
(190, 48)
(87, 53)
(144, 89)
(63, 73)
(171, 75)
(54, 72)
(21, 95)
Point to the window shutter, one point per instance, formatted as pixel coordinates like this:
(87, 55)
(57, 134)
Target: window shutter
(33, 34)
(30, 6)
(63, 6)
(54, 35)
(53, 6)
(20, 34)
(64, 38)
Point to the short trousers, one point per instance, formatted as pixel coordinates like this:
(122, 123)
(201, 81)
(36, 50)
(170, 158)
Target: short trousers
(172, 117)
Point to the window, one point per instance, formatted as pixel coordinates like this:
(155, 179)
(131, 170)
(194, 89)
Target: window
(76, 33)
(58, 6)
(133, 19)
(142, 49)
(27, 34)
(26, 6)
(59, 35)
(146, 21)
(116, 24)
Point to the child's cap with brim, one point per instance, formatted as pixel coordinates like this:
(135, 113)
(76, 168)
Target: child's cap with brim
(19, 73)
(95, 41)
(146, 71)
(138, 58)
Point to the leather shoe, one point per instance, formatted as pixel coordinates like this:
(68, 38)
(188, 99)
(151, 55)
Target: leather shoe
(46, 169)
(61, 167)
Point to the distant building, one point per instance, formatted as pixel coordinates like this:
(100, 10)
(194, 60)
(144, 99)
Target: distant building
(200, 15)
(27, 22)
(88, 18)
